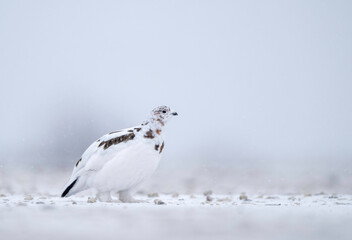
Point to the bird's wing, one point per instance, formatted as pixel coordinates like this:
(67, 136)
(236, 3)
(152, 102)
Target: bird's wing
(103, 150)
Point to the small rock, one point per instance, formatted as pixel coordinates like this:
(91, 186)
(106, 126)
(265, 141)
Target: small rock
(158, 202)
(28, 198)
(224, 199)
(153, 195)
(292, 198)
(243, 197)
(42, 198)
(22, 204)
(207, 193)
(209, 198)
(192, 196)
(308, 195)
(333, 196)
(91, 200)
(74, 203)
(2, 195)
(175, 195)
(39, 203)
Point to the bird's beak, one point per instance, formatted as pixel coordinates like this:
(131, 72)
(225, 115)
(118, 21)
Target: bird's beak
(174, 113)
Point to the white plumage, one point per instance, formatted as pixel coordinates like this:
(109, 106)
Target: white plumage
(121, 160)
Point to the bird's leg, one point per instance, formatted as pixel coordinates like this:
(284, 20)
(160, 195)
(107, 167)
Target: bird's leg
(126, 197)
(104, 197)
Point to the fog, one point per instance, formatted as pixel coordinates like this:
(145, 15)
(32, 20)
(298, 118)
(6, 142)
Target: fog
(261, 84)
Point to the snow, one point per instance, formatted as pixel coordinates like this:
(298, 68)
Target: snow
(301, 208)
(45, 216)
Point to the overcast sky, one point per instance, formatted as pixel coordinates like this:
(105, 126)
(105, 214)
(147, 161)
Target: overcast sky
(253, 81)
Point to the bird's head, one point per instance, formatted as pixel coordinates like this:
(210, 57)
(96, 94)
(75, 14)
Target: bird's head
(162, 114)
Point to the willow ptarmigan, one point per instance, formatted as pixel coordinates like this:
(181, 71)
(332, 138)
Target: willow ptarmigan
(121, 160)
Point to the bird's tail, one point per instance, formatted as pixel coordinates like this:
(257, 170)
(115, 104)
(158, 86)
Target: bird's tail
(67, 190)
(73, 187)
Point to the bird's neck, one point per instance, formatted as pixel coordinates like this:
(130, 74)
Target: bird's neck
(156, 125)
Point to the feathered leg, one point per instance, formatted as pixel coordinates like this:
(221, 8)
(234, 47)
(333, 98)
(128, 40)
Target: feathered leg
(126, 197)
(104, 197)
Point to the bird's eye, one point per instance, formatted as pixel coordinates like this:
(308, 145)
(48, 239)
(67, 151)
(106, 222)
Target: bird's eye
(164, 111)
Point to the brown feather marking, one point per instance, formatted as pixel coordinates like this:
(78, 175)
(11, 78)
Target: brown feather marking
(137, 129)
(116, 140)
(78, 161)
(158, 131)
(162, 147)
(156, 147)
(149, 134)
(161, 122)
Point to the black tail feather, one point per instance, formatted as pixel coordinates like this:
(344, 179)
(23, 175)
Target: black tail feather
(69, 188)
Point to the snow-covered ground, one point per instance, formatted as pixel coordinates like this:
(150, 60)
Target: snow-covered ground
(296, 207)
(45, 216)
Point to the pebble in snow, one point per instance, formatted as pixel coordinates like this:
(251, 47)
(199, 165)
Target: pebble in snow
(226, 199)
(244, 197)
(175, 195)
(91, 200)
(28, 198)
(155, 194)
(159, 202)
(209, 198)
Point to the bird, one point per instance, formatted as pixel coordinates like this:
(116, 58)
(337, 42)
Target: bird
(121, 160)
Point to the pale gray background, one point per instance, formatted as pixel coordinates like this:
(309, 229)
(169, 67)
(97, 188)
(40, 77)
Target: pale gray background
(257, 84)
(263, 91)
